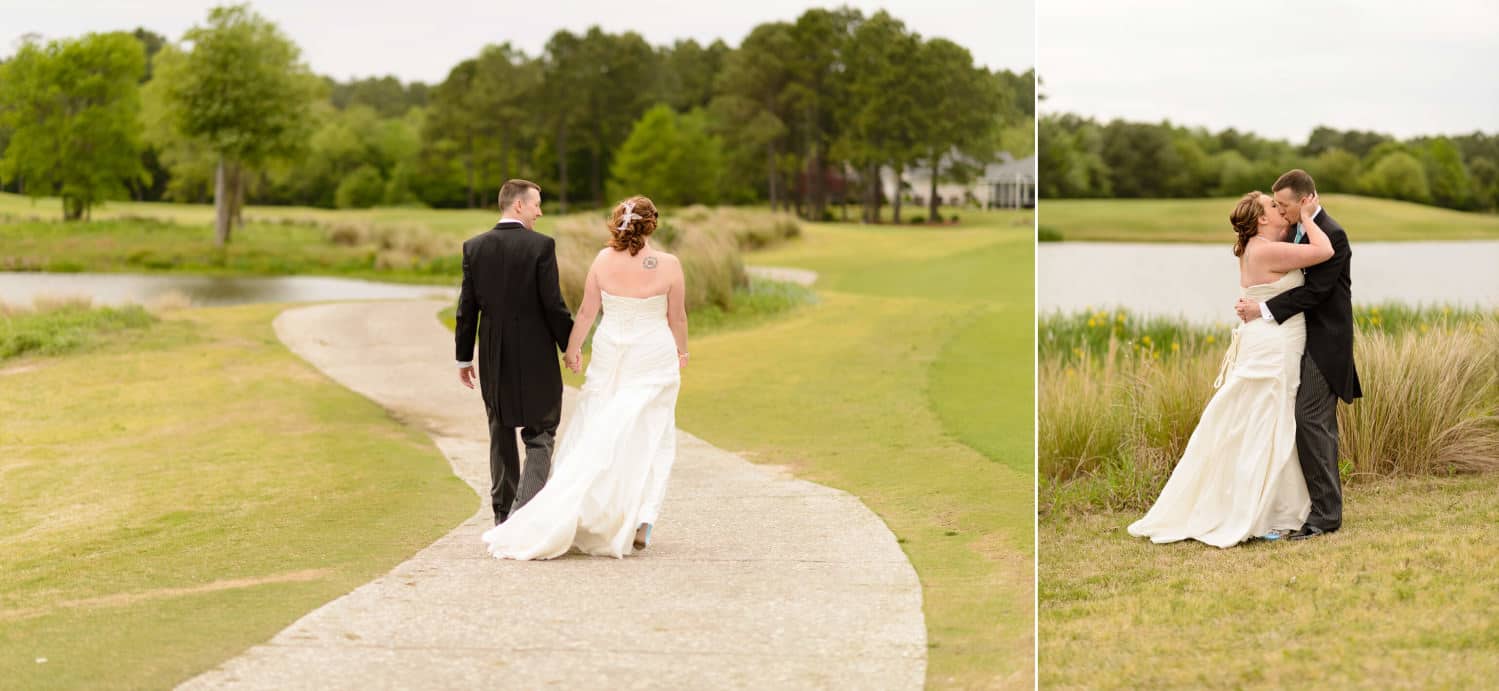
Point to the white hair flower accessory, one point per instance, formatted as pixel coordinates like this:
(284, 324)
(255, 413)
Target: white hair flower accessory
(629, 215)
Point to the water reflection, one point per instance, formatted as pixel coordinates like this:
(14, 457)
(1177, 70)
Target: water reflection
(1201, 282)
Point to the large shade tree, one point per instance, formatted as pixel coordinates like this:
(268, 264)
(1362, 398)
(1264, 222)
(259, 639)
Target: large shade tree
(71, 108)
(239, 90)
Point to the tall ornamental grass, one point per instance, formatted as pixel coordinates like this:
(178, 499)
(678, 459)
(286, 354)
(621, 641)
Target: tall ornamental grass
(708, 241)
(1119, 397)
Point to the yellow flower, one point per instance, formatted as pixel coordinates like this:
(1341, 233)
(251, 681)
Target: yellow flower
(1120, 318)
(1145, 339)
(1175, 346)
(1092, 322)
(1424, 329)
(1211, 339)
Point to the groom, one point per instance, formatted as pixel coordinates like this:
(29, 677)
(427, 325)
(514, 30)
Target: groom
(1327, 371)
(510, 280)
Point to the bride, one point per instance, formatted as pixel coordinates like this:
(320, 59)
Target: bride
(616, 451)
(1239, 477)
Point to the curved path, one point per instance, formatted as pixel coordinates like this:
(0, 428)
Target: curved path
(754, 579)
(802, 277)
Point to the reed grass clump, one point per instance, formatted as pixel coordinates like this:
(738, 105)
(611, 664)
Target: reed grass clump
(1119, 397)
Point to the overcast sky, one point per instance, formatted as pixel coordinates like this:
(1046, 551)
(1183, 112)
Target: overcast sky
(1396, 66)
(423, 40)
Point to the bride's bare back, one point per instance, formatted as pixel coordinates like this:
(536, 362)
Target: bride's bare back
(649, 273)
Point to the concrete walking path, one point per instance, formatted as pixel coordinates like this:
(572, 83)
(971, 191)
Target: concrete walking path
(753, 579)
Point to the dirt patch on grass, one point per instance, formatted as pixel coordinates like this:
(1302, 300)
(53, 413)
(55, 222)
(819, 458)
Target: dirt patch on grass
(126, 599)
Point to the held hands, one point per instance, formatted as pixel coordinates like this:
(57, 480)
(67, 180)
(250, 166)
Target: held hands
(573, 360)
(466, 375)
(1248, 310)
(1309, 207)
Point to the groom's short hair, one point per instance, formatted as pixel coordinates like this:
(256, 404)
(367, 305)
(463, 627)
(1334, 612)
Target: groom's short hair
(1298, 180)
(515, 189)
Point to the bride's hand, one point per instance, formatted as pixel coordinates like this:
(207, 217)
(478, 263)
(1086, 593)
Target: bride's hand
(1309, 207)
(574, 361)
(682, 360)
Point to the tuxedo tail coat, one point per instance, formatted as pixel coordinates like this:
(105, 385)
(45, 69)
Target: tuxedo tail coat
(510, 300)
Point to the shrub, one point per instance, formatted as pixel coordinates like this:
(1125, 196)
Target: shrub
(361, 189)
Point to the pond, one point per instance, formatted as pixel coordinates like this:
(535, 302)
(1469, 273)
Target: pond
(1201, 282)
(21, 288)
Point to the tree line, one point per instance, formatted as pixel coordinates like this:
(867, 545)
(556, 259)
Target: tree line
(1082, 157)
(803, 114)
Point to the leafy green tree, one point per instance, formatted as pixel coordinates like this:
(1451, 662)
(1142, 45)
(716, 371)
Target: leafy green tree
(878, 115)
(386, 95)
(1397, 175)
(1336, 170)
(749, 109)
(71, 107)
(955, 103)
(1070, 161)
(689, 70)
(1485, 176)
(361, 189)
(670, 158)
(1450, 185)
(243, 94)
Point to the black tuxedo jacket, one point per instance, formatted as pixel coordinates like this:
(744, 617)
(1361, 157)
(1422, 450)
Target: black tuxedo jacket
(1327, 301)
(510, 292)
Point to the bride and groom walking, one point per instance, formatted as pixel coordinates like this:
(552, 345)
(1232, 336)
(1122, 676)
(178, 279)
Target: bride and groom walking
(617, 449)
(1263, 461)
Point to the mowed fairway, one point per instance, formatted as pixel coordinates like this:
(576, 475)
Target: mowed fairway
(178, 494)
(1403, 596)
(1206, 220)
(909, 384)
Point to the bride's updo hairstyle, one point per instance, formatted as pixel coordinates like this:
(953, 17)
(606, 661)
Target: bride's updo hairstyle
(633, 221)
(1246, 220)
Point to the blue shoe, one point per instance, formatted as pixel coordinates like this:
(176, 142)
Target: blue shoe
(1272, 536)
(642, 543)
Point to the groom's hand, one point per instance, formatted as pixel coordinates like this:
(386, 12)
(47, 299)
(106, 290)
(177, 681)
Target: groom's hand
(1247, 309)
(466, 375)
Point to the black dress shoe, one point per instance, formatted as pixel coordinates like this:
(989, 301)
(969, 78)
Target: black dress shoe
(1307, 533)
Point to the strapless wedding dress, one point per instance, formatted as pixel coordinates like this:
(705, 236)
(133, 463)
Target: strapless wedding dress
(616, 450)
(1239, 476)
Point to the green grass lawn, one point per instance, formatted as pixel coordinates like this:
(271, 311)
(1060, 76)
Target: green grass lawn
(182, 495)
(1206, 220)
(910, 385)
(1403, 596)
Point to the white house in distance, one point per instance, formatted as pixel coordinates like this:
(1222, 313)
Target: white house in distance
(1005, 184)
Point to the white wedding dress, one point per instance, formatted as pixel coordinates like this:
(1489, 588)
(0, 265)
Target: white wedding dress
(616, 450)
(1240, 477)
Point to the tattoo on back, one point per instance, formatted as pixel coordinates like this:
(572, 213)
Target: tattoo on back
(649, 263)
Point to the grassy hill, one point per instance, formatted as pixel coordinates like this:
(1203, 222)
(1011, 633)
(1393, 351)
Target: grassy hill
(1206, 220)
